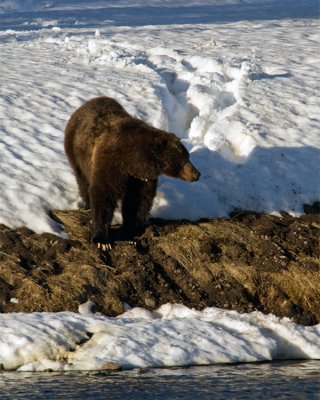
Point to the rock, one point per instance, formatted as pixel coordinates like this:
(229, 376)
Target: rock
(110, 366)
(150, 303)
(87, 308)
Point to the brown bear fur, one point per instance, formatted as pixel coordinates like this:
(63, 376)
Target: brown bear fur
(118, 157)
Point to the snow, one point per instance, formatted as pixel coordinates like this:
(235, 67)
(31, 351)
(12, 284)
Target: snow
(235, 80)
(241, 94)
(173, 335)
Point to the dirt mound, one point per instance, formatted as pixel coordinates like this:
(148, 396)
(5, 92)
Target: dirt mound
(250, 262)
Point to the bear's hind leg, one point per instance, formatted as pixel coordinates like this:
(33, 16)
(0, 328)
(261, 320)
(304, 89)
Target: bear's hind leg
(83, 187)
(136, 206)
(103, 204)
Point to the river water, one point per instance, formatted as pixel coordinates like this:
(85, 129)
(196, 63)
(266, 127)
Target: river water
(294, 380)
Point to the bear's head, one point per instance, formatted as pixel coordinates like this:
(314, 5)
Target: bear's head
(174, 159)
(154, 152)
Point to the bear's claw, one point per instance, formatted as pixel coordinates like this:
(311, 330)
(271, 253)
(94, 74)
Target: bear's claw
(104, 246)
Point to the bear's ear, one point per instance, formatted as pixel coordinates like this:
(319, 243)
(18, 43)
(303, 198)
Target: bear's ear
(169, 142)
(161, 144)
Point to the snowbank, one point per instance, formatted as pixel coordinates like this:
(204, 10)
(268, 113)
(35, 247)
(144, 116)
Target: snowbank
(173, 335)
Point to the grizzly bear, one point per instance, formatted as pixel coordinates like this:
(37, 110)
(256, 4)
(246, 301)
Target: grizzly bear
(118, 157)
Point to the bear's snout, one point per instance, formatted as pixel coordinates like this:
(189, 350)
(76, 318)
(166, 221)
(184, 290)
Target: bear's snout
(189, 173)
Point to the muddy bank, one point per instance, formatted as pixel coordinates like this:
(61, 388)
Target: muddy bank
(250, 262)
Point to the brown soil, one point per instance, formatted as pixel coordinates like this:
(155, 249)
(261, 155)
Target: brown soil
(250, 262)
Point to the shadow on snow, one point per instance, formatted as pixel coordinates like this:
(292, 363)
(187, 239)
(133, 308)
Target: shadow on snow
(269, 180)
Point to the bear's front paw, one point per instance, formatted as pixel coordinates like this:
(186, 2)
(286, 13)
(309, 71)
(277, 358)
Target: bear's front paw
(104, 246)
(101, 241)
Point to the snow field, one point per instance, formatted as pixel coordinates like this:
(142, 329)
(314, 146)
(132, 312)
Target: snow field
(247, 111)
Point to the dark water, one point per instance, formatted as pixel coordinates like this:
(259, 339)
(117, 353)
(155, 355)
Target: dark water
(277, 380)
